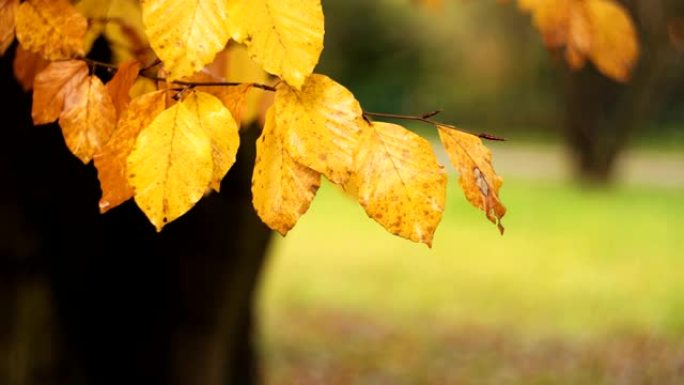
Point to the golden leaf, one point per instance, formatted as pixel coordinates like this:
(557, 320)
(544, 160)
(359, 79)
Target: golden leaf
(110, 161)
(284, 36)
(171, 165)
(120, 86)
(52, 85)
(26, 66)
(53, 28)
(186, 35)
(322, 125)
(614, 45)
(88, 119)
(7, 11)
(479, 181)
(282, 189)
(399, 183)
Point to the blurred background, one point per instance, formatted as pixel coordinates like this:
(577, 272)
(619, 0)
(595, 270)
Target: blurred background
(586, 285)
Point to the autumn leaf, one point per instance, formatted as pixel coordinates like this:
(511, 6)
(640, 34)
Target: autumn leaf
(120, 86)
(186, 35)
(479, 181)
(399, 183)
(282, 189)
(52, 85)
(322, 125)
(88, 119)
(26, 66)
(110, 161)
(234, 98)
(53, 28)
(284, 36)
(7, 11)
(614, 45)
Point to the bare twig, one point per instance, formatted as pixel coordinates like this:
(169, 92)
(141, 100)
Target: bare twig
(425, 118)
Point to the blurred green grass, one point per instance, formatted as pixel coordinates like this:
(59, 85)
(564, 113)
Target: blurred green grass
(573, 262)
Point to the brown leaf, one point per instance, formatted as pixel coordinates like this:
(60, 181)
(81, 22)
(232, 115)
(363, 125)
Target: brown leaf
(120, 85)
(7, 11)
(479, 181)
(88, 119)
(52, 85)
(53, 28)
(26, 66)
(110, 161)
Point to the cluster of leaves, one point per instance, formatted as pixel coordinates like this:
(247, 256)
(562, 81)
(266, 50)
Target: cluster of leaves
(167, 131)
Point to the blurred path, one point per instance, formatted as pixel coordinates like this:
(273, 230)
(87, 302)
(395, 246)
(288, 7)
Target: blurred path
(552, 162)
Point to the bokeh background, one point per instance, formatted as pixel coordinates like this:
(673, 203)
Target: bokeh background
(585, 287)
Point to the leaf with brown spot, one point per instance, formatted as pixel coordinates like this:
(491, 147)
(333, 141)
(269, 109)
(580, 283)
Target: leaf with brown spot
(26, 66)
(7, 11)
(479, 181)
(120, 86)
(282, 189)
(110, 161)
(52, 85)
(88, 119)
(398, 182)
(53, 28)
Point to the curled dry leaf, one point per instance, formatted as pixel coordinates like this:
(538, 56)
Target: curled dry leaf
(120, 86)
(282, 189)
(26, 66)
(398, 182)
(53, 28)
(284, 36)
(52, 85)
(7, 11)
(479, 181)
(110, 161)
(322, 125)
(88, 119)
(186, 35)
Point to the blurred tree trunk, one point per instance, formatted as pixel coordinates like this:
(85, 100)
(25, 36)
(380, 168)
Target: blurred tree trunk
(103, 299)
(601, 115)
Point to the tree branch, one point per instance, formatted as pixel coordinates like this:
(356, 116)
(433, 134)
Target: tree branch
(425, 118)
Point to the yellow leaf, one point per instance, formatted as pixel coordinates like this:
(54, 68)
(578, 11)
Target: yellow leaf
(52, 85)
(234, 98)
(110, 162)
(7, 11)
(171, 164)
(53, 28)
(322, 123)
(479, 181)
(399, 183)
(88, 119)
(221, 128)
(551, 18)
(120, 86)
(614, 45)
(186, 35)
(579, 37)
(284, 36)
(26, 66)
(142, 86)
(282, 189)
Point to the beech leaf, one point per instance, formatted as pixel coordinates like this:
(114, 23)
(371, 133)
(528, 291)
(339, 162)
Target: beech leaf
(110, 161)
(479, 181)
(7, 12)
(26, 66)
(53, 28)
(88, 119)
(322, 125)
(52, 85)
(282, 189)
(284, 36)
(120, 86)
(399, 183)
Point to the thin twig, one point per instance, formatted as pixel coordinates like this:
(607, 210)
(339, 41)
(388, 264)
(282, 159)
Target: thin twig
(425, 118)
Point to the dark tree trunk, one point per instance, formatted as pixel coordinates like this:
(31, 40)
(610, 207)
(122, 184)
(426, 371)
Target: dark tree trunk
(103, 299)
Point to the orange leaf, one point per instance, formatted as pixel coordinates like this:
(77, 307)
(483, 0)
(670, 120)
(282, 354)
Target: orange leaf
(111, 160)
(52, 85)
(88, 119)
(53, 28)
(7, 11)
(479, 181)
(234, 99)
(26, 66)
(120, 85)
